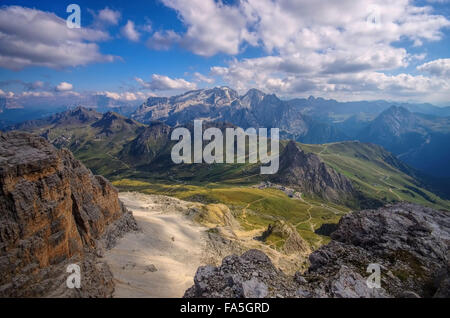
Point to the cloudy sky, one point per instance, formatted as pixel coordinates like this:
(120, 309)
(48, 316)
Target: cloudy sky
(129, 50)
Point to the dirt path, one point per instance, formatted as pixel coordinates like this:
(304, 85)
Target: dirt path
(384, 179)
(169, 242)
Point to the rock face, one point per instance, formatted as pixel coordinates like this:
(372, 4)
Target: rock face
(54, 212)
(410, 243)
(248, 276)
(311, 175)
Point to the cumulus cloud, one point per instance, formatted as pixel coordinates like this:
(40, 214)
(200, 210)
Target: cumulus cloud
(64, 87)
(109, 16)
(165, 83)
(30, 37)
(163, 40)
(212, 27)
(439, 67)
(312, 46)
(129, 31)
(202, 78)
(288, 26)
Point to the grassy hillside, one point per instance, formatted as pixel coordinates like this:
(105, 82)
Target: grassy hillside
(376, 173)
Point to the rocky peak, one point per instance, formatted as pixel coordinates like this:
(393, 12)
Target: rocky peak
(147, 145)
(252, 98)
(54, 213)
(79, 115)
(111, 122)
(308, 173)
(394, 120)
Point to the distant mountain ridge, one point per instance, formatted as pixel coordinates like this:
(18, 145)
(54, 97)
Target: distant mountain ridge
(254, 109)
(419, 140)
(331, 110)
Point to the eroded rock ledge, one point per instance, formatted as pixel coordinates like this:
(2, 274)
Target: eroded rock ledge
(409, 242)
(54, 212)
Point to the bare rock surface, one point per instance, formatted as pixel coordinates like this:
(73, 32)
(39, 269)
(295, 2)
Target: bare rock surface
(308, 173)
(409, 242)
(54, 212)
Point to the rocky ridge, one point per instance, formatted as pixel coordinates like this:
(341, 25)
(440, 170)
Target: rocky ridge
(409, 242)
(54, 212)
(308, 173)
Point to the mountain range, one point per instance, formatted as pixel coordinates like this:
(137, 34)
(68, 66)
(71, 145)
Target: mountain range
(417, 133)
(119, 147)
(254, 109)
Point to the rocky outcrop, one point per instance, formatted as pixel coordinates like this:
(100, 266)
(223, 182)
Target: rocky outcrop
(308, 173)
(54, 212)
(409, 243)
(251, 275)
(285, 237)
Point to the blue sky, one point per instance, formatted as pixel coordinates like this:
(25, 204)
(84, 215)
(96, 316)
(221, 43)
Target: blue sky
(129, 50)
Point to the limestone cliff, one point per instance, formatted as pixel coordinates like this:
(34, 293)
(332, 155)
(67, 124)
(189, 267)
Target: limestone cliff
(54, 212)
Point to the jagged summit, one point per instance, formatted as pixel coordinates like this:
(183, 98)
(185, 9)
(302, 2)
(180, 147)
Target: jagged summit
(311, 175)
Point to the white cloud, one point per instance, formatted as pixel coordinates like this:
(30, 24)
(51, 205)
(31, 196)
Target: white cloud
(202, 78)
(129, 31)
(163, 40)
(440, 67)
(109, 16)
(6, 94)
(287, 26)
(126, 96)
(30, 37)
(317, 47)
(36, 94)
(165, 83)
(212, 27)
(64, 87)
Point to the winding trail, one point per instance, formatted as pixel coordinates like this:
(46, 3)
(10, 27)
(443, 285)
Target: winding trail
(383, 178)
